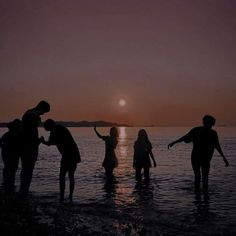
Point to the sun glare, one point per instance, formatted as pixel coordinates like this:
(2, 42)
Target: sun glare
(122, 102)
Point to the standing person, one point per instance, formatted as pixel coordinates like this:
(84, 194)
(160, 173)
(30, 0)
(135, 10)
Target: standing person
(204, 140)
(62, 138)
(30, 122)
(10, 144)
(110, 161)
(142, 154)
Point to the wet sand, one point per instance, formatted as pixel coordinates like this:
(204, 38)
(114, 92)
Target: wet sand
(46, 216)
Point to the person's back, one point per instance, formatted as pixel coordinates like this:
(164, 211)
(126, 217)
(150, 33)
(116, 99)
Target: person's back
(11, 143)
(204, 142)
(30, 122)
(11, 150)
(141, 153)
(110, 161)
(62, 138)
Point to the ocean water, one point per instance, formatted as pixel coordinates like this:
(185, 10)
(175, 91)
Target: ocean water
(169, 195)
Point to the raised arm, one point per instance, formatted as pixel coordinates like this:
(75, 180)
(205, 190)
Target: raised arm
(99, 135)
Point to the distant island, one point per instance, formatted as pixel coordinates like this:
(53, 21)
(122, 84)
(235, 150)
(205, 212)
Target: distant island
(83, 123)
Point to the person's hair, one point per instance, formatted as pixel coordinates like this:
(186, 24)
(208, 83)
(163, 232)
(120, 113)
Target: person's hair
(44, 106)
(114, 132)
(48, 124)
(143, 136)
(208, 120)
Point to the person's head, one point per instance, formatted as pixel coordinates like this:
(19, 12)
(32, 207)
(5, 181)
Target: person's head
(43, 107)
(49, 124)
(114, 132)
(208, 121)
(142, 135)
(14, 125)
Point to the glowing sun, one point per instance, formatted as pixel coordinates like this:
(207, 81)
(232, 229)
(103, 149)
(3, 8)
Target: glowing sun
(122, 102)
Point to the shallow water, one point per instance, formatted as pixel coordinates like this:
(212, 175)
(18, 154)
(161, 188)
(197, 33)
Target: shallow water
(169, 195)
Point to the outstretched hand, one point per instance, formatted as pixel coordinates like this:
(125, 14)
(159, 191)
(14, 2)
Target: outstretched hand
(226, 163)
(41, 139)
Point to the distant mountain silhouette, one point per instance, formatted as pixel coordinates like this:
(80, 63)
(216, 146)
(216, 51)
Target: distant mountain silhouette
(83, 123)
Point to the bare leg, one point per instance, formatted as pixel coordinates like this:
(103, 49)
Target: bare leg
(146, 173)
(205, 174)
(138, 175)
(197, 173)
(62, 176)
(72, 184)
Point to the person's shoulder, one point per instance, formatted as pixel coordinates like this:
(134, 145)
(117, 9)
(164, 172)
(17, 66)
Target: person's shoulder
(59, 128)
(195, 129)
(29, 114)
(213, 132)
(5, 135)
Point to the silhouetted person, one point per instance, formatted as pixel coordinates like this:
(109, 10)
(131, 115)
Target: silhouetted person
(11, 144)
(62, 138)
(30, 121)
(142, 154)
(110, 161)
(204, 140)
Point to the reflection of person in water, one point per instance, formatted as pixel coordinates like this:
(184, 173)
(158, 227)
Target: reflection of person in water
(142, 154)
(11, 144)
(110, 160)
(204, 140)
(62, 138)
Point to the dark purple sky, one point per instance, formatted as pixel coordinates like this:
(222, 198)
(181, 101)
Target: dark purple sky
(172, 61)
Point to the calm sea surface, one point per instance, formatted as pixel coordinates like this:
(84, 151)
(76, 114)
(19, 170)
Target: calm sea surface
(171, 187)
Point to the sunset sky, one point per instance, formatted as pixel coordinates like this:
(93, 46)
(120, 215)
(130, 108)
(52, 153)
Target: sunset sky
(171, 61)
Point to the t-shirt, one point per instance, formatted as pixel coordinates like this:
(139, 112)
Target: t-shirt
(62, 138)
(204, 141)
(30, 122)
(142, 151)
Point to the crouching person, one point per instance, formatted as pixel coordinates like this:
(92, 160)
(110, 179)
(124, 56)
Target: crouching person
(62, 138)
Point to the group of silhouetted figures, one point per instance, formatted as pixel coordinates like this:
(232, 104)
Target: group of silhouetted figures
(22, 140)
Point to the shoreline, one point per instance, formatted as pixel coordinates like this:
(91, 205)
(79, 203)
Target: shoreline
(39, 215)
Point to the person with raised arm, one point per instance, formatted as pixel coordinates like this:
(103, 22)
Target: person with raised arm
(110, 161)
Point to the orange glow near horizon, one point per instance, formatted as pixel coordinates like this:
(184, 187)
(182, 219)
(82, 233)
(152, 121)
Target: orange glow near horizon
(136, 62)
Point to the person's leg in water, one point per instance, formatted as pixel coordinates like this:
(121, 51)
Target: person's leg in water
(15, 165)
(205, 174)
(72, 180)
(62, 175)
(28, 160)
(197, 174)
(109, 172)
(146, 173)
(138, 174)
(26, 176)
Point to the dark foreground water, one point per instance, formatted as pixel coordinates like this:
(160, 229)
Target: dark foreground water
(167, 205)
